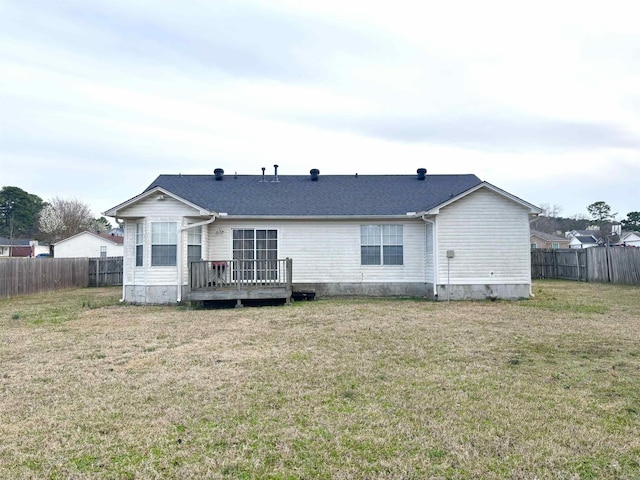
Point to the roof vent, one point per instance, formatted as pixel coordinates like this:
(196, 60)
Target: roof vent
(422, 173)
(314, 174)
(218, 172)
(275, 175)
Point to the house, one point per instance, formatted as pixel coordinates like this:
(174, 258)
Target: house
(630, 239)
(583, 241)
(584, 233)
(20, 247)
(545, 240)
(191, 237)
(89, 244)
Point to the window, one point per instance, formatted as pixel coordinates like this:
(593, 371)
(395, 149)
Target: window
(534, 245)
(103, 251)
(164, 244)
(257, 251)
(194, 244)
(555, 245)
(381, 245)
(139, 243)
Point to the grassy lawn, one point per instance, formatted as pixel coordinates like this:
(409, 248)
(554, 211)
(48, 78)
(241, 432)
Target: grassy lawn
(335, 388)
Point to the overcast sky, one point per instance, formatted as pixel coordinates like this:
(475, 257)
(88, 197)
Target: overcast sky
(541, 99)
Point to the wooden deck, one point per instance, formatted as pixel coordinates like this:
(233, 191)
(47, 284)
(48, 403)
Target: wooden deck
(240, 280)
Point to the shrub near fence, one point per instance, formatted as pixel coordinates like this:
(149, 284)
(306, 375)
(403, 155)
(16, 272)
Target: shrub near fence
(598, 264)
(23, 276)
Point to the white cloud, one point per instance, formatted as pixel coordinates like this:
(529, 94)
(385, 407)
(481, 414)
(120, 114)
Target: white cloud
(540, 99)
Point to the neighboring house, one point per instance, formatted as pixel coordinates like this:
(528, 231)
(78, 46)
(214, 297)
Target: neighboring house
(583, 241)
(345, 234)
(546, 240)
(14, 247)
(17, 247)
(583, 233)
(630, 239)
(89, 244)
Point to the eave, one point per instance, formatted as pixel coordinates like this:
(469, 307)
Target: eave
(117, 210)
(533, 210)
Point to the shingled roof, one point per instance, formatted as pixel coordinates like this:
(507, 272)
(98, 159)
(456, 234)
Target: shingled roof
(299, 195)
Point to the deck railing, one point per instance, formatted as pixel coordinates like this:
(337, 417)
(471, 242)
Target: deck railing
(239, 274)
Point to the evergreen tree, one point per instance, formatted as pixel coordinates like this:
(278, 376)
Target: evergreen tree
(18, 213)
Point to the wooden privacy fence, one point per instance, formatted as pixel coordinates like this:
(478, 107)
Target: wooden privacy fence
(105, 271)
(598, 264)
(23, 276)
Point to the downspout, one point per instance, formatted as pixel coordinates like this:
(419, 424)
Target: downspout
(531, 294)
(435, 254)
(118, 220)
(179, 259)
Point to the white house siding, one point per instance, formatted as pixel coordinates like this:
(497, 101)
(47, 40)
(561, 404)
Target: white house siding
(326, 255)
(86, 245)
(631, 240)
(489, 236)
(429, 253)
(149, 284)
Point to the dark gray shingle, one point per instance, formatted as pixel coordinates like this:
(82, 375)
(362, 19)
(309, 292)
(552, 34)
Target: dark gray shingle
(330, 195)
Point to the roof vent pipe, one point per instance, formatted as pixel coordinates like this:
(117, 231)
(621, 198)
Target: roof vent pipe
(263, 179)
(275, 175)
(218, 172)
(422, 173)
(314, 174)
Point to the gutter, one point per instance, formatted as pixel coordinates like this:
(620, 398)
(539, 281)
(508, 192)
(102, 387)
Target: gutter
(316, 217)
(179, 253)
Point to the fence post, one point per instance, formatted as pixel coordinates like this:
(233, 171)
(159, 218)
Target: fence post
(586, 267)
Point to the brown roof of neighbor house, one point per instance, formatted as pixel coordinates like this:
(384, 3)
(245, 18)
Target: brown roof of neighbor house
(548, 237)
(113, 238)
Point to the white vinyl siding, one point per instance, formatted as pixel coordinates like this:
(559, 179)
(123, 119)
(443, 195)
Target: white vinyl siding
(329, 251)
(148, 211)
(490, 237)
(87, 244)
(429, 253)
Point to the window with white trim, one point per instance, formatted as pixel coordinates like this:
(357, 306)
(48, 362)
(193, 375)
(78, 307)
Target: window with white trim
(103, 251)
(381, 245)
(164, 244)
(257, 252)
(139, 244)
(555, 245)
(534, 245)
(194, 244)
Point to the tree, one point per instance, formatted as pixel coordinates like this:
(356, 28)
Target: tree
(632, 222)
(101, 225)
(63, 218)
(18, 212)
(601, 213)
(547, 221)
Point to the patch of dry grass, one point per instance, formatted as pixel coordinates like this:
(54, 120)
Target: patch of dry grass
(336, 388)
